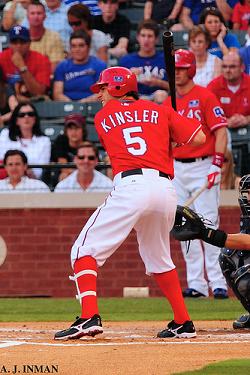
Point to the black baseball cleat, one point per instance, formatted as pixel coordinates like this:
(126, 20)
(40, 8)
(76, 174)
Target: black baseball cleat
(242, 322)
(182, 331)
(220, 293)
(81, 327)
(192, 293)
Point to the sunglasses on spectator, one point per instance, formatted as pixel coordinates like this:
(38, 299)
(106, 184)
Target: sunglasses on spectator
(230, 66)
(29, 114)
(90, 157)
(75, 23)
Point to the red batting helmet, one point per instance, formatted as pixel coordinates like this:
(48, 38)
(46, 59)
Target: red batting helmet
(119, 81)
(186, 59)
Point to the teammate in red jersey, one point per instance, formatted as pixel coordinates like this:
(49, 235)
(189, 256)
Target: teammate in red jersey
(194, 166)
(137, 136)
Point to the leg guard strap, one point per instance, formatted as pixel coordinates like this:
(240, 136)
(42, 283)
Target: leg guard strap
(74, 278)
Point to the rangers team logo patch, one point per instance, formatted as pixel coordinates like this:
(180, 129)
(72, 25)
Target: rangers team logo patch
(194, 103)
(118, 79)
(218, 111)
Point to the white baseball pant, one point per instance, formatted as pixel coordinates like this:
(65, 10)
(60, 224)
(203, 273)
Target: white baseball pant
(190, 177)
(144, 202)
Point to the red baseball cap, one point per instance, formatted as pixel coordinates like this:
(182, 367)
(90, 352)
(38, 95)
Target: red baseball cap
(76, 119)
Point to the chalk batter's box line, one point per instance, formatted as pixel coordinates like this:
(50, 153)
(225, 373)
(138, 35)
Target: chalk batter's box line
(5, 344)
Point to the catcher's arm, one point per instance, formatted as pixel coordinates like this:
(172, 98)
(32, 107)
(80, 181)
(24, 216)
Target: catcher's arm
(238, 241)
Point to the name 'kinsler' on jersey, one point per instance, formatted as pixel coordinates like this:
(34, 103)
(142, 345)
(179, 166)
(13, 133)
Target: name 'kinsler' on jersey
(119, 118)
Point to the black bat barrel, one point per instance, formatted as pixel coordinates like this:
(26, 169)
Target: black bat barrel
(168, 48)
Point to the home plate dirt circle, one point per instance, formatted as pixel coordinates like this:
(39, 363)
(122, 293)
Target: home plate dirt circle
(124, 348)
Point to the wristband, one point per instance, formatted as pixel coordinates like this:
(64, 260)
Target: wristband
(218, 159)
(215, 237)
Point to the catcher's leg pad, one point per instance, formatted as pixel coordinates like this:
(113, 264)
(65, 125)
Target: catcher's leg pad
(241, 278)
(227, 264)
(237, 280)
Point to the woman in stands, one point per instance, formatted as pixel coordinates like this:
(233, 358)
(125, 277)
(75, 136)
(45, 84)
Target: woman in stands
(208, 66)
(24, 134)
(221, 40)
(79, 18)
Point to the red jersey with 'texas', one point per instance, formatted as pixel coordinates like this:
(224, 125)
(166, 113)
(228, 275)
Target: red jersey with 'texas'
(138, 134)
(200, 104)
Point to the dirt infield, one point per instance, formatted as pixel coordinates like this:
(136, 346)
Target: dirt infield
(123, 349)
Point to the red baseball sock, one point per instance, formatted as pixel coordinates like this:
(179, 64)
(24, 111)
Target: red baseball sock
(87, 285)
(170, 286)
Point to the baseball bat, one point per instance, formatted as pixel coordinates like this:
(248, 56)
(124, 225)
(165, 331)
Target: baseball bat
(195, 195)
(168, 49)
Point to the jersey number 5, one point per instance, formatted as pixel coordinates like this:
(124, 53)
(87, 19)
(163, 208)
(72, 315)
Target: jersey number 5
(130, 139)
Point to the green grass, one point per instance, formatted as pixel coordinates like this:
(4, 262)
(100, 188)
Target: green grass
(114, 309)
(230, 367)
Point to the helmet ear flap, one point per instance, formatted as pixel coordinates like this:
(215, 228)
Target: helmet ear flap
(192, 71)
(186, 59)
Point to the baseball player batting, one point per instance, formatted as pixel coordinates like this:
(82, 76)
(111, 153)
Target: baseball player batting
(197, 166)
(136, 135)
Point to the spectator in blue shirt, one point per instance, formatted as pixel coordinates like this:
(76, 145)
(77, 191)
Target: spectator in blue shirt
(148, 64)
(74, 76)
(245, 56)
(222, 40)
(192, 9)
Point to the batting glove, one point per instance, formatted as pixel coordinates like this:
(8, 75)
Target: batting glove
(214, 176)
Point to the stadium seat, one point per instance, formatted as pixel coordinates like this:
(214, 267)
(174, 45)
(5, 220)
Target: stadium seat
(241, 149)
(4, 40)
(55, 112)
(241, 36)
(240, 135)
(51, 130)
(238, 159)
(2, 4)
(135, 15)
(180, 39)
(92, 109)
(138, 4)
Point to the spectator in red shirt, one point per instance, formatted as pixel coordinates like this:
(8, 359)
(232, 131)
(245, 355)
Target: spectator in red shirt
(26, 71)
(232, 88)
(241, 15)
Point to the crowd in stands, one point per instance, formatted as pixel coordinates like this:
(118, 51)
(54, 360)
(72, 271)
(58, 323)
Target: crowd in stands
(57, 49)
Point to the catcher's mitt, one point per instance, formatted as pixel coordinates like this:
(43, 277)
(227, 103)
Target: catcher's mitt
(188, 224)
